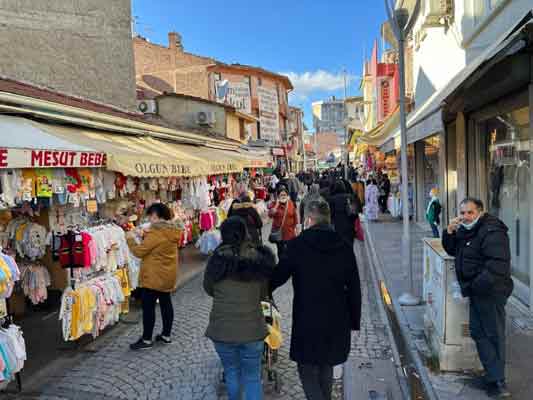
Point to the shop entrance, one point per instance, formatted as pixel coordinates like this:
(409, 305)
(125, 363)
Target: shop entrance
(508, 149)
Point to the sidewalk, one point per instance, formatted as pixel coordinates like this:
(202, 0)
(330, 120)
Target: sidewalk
(385, 237)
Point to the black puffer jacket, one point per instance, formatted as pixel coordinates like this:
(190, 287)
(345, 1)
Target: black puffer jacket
(482, 257)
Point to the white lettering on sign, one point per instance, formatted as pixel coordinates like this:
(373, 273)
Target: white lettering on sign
(24, 158)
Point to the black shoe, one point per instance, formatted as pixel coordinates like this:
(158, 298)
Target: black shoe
(478, 383)
(141, 345)
(163, 339)
(499, 390)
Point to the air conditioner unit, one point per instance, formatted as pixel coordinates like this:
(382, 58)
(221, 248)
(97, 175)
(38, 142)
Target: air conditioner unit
(206, 118)
(147, 106)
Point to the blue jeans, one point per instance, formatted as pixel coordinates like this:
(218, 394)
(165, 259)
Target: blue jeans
(242, 367)
(435, 229)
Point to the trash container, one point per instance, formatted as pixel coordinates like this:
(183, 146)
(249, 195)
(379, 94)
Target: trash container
(446, 316)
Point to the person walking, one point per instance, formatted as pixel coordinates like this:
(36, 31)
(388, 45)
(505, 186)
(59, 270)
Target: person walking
(312, 194)
(284, 220)
(371, 200)
(344, 211)
(384, 192)
(480, 244)
(327, 299)
(245, 209)
(294, 187)
(237, 277)
(158, 252)
(433, 212)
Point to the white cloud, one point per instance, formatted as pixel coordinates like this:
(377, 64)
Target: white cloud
(316, 81)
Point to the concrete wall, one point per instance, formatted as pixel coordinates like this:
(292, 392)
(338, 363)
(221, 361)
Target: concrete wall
(183, 112)
(78, 47)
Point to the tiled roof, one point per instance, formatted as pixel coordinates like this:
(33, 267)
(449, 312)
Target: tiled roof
(42, 93)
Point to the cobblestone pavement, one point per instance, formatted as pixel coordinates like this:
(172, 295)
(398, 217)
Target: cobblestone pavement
(189, 368)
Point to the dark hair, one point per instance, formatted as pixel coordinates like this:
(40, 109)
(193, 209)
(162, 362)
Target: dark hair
(233, 231)
(475, 201)
(319, 210)
(283, 188)
(339, 188)
(374, 182)
(161, 210)
(369, 182)
(246, 199)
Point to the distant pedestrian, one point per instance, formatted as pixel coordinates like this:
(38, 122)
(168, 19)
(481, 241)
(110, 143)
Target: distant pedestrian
(384, 192)
(237, 276)
(294, 187)
(433, 212)
(284, 220)
(158, 252)
(344, 211)
(327, 299)
(371, 200)
(312, 194)
(480, 244)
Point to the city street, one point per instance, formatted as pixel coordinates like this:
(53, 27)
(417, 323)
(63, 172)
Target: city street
(189, 369)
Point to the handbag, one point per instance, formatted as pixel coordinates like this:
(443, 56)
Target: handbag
(359, 232)
(276, 236)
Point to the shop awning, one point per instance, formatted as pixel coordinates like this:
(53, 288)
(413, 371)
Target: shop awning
(25, 144)
(427, 119)
(257, 160)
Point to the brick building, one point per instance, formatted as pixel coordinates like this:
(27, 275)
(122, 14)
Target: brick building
(79, 48)
(252, 90)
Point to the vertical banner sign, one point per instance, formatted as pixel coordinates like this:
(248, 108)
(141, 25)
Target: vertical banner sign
(236, 94)
(268, 114)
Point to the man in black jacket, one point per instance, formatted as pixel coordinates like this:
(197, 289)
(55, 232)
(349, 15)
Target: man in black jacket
(327, 299)
(480, 244)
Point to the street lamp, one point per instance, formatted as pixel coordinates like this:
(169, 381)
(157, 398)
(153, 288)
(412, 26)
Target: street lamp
(401, 23)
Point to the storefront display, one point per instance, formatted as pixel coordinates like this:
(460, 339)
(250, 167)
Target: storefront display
(509, 187)
(430, 167)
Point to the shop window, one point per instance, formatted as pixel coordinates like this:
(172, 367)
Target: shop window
(509, 187)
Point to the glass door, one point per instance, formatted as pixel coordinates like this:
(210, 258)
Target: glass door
(509, 189)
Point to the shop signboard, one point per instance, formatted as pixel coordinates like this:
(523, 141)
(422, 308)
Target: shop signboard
(268, 114)
(236, 94)
(27, 158)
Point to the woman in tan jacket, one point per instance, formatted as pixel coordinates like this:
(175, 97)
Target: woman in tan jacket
(158, 252)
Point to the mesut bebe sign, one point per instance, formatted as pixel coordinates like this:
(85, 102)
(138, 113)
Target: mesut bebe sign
(23, 158)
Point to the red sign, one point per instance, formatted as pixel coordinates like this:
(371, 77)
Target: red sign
(278, 152)
(23, 158)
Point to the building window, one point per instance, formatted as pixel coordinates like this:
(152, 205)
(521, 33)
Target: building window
(259, 81)
(242, 129)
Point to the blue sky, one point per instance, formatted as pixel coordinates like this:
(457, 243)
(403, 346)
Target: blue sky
(310, 40)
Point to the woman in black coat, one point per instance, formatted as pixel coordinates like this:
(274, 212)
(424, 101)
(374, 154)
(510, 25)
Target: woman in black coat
(344, 211)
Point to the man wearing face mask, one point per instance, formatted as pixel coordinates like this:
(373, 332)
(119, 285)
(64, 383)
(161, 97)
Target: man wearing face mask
(480, 244)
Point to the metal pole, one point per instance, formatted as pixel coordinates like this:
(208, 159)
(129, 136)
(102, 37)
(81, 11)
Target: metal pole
(347, 160)
(407, 298)
(401, 23)
(303, 141)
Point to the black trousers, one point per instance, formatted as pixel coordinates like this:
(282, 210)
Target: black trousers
(487, 328)
(317, 381)
(382, 200)
(149, 300)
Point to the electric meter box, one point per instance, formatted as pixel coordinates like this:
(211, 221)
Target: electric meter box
(446, 315)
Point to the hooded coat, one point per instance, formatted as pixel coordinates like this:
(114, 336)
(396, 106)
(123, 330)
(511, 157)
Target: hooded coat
(237, 279)
(327, 295)
(159, 257)
(482, 257)
(251, 217)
